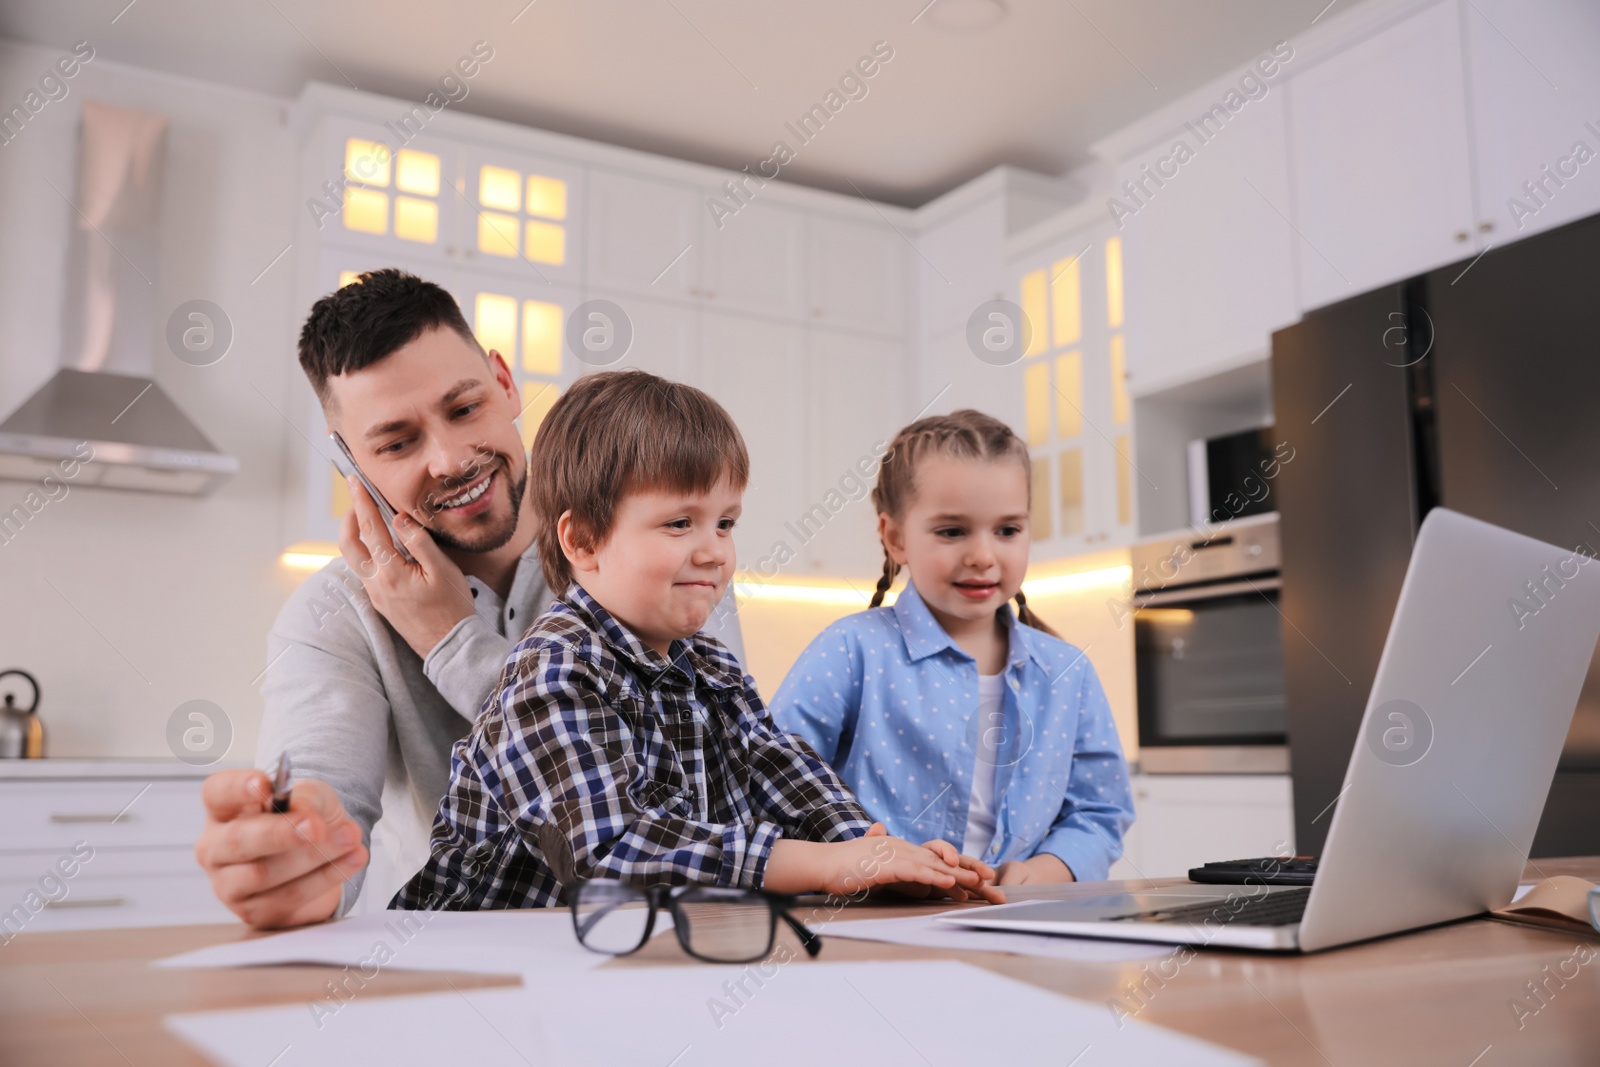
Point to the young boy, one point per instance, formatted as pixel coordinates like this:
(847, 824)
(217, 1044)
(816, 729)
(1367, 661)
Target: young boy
(621, 743)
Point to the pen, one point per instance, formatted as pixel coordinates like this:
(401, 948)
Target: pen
(280, 786)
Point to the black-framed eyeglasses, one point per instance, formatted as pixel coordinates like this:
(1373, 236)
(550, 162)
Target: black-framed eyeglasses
(717, 924)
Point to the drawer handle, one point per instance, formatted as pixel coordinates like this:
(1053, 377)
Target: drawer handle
(77, 817)
(87, 902)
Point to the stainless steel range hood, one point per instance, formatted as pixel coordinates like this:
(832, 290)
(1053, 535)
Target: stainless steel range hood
(103, 399)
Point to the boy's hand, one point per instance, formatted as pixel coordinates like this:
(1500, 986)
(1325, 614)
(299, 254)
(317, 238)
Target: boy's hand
(1040, 870)
(845, 868)
(984, 889)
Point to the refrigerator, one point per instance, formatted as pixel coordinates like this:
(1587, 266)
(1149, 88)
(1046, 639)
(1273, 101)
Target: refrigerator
(1475, 387)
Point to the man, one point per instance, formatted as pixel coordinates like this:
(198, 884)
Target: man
(377, 665)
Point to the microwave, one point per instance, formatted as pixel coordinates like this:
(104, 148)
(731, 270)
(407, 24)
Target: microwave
(1208, 651)
(1230, 476)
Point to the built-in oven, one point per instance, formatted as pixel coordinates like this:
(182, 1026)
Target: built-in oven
(1208, 641)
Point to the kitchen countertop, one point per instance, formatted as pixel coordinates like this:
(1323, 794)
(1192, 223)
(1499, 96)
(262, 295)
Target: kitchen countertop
(49, 769)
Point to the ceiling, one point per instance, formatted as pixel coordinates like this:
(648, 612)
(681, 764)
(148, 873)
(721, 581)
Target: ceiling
(972, 83)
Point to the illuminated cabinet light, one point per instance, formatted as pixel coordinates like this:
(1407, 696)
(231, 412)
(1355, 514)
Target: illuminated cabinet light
(417, 172)
(500, 188)
(366, 162)
(546, 243)
(1069, 394)
(1034, 309)
(494, 320)
(1072, 492)
(1114, 282)
(1039, 508)
(312, 555)
(547, 197)
(497, 234)
(348, 277)
(541, 338)
(1119, 380)
(1066, 303)
(416, 220)
(537, 399)
(366, 211)
(1124, 481)
(1036, 402)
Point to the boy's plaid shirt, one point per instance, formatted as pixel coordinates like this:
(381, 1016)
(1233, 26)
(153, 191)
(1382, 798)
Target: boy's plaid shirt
(597, 757)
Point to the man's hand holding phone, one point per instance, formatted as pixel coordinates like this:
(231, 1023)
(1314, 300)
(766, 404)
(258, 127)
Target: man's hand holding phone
(422, 599)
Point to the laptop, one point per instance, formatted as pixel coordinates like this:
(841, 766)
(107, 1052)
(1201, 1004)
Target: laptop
(1474, 694)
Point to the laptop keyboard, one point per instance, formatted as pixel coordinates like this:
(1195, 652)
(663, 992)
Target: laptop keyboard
(1282, 907)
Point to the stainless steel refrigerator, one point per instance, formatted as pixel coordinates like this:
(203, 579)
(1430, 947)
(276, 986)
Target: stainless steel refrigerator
(1477, 387)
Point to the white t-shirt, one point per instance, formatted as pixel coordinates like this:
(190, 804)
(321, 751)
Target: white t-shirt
(981, 807)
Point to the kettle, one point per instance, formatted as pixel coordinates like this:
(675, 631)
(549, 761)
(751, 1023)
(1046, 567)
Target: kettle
(21, 732)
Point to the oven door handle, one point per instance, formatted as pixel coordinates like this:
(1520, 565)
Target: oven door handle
(1168, 597)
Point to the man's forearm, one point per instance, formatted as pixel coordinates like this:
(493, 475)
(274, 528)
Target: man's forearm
(466, 666)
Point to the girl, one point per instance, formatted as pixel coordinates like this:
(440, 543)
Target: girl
(949, 715)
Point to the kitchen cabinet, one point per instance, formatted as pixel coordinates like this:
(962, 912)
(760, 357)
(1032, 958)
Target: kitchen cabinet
(366, 196)
(1183, 821)
(666, 337)
(517, 214)
(792, 311)
(857, 275)
(644, 236)
(960, 263)
(125, 829)
(1209, 252)
(755, 368)
(854, 408)
(1380, 162)
(1535, 99)
(1077, 415)
(754, 261)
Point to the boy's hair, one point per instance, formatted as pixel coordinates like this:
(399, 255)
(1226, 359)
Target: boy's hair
(619, 432)
(374, 316)
(964, 434)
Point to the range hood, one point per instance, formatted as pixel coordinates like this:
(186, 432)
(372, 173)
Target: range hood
(102, 396)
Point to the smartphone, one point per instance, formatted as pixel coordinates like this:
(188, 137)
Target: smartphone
(346, 464)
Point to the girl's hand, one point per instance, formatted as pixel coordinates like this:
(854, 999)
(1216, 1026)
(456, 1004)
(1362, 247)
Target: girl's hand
(1040, 870)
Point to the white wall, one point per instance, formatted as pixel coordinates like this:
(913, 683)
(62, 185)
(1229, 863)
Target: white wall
(184, 588)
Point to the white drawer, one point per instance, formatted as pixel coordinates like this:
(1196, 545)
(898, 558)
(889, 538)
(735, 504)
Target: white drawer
(51, 815)
(96, 900)
(102, 862)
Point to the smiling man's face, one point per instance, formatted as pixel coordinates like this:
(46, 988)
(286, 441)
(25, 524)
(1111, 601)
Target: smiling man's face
(433, 426)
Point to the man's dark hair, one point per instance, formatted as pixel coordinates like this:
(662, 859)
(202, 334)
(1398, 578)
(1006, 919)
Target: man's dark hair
(361, 323)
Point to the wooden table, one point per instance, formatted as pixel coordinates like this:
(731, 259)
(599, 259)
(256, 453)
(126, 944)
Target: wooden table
(1439, 996)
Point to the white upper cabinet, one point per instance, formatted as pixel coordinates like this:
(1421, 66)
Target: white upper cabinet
(1380, 166)
(756, 369)
(857, 275)
(1208, 246)
(960, 264)
(754, 261)
(396, 201)
(1535, 89)
(518, 213)
(854, 408)
(644, 236)
(1077, 416)
(665, 338)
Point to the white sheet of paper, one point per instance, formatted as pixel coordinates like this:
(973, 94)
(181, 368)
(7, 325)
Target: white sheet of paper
(923, 931)
(1522, 891)
(482, 942)
(803, 1013)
